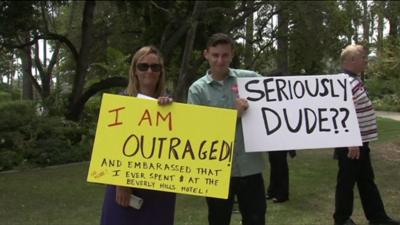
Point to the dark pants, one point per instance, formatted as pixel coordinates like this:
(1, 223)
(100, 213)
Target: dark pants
(250, 195)
(352, 171)
(279, 175)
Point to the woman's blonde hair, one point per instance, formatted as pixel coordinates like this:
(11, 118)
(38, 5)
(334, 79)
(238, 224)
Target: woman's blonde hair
(133, 85)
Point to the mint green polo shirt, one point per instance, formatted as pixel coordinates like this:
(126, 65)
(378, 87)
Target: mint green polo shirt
(209, 92)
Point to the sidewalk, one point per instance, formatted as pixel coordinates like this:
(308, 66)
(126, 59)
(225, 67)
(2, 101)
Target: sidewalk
(390, 115)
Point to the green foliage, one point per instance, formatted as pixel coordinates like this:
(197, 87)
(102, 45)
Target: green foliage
(117, 64)
(4, 96)
(54, 141)
(384, 77)
(387, 65)
(121, 27)
(9, 159)
(388, 103)
(314, 39)
(7, 64)
(16, 17)
(379, 88)
(8, 93)
(15, 114)
(27, 139)
(90, 115)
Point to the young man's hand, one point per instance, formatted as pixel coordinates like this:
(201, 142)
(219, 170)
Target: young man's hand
(241, 106)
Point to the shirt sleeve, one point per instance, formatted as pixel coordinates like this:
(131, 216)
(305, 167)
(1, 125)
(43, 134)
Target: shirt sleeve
(358, 90)
(194, 96)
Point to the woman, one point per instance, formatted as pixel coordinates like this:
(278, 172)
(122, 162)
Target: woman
(146, 76)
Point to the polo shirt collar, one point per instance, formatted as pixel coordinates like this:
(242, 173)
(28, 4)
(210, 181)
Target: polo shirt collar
(210, 80)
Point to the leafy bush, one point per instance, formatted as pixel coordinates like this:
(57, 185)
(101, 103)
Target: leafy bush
(378, 88)
(54, 140)
(9, 159)
(388, 103)
(91, 113)
(28, 139)
(384, 77)
(14, 114)
(8, 93)
(4, 96)
(385, 94)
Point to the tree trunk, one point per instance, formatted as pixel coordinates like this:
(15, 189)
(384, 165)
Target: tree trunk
(75, 107)
(355, 35)
(168, 44)
(282, 38)
(26, 61)
(379, 41)
(184, 76)
(43, 74)
(365, 23)
(44, 52)
(96, 87)
(393, 17)
(248, 59)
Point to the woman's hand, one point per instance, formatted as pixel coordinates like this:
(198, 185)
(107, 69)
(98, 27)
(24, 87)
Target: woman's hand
(164, 100)
(122, 196)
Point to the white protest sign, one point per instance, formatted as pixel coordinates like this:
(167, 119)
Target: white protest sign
(298, 112)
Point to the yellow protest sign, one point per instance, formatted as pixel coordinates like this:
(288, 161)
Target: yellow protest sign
(177, 148)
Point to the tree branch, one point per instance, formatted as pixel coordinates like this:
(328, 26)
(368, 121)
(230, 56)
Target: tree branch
(49, 36)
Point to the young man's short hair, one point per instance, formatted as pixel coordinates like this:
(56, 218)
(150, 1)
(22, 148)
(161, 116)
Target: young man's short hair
(219, 38)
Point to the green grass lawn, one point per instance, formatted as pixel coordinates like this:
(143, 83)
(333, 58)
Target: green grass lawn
(61, 195)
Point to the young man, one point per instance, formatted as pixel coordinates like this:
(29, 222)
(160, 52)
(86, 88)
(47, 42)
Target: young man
(218, 88)
(354, 162)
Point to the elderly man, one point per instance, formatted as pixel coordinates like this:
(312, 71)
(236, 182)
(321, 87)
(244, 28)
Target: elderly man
(354, 161)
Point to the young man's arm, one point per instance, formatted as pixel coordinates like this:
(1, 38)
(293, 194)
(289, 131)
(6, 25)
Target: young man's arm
(194, 96)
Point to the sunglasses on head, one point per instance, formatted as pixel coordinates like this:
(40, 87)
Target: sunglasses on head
(144, 67)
